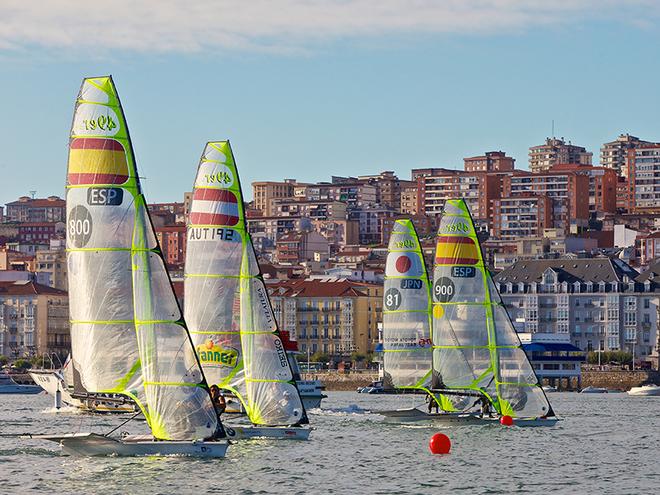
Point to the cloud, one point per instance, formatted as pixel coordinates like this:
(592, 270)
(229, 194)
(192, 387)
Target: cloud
(166, 26)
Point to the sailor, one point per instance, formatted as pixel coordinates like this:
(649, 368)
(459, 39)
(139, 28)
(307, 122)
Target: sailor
(432, 403)
(218, 398)
(485, 407)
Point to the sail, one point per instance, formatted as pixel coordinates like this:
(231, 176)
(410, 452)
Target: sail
(475, 346)
(227, 306)
(407, 352)
(127, 332)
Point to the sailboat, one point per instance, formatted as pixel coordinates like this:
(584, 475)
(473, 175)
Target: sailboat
(128, 336)
(227, 307)
(477, 355)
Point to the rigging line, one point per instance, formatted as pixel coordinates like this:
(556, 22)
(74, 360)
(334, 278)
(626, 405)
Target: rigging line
(123, 423)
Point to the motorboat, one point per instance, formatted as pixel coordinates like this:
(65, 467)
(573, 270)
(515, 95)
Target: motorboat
(594, 390)
(9, 386)
(650, 390)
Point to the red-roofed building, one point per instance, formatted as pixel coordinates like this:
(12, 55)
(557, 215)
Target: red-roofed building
(333, 316)
(649, 247)
(26, 209)
(34, 320)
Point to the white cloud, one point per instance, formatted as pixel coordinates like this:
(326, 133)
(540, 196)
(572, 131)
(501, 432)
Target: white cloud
(198, 25)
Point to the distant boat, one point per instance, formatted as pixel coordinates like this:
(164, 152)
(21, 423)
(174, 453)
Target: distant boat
(128, 335)
(645, 391)
(9, 386)
(594, 390)
(548, 389)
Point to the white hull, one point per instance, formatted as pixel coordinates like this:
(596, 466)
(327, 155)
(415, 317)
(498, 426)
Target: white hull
(415, 415)
(93, 444)
(9, 386)
(645, 391)
(593, 390)
(51, 381)
(279, 432)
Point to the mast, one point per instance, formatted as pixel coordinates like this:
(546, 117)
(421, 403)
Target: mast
(127, 333)
(475, 346)
(234, 326)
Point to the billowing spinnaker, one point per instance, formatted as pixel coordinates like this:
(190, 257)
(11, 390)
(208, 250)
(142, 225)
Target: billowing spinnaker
(475, 346)
(127, 334)
(407, 352)
(229, 307)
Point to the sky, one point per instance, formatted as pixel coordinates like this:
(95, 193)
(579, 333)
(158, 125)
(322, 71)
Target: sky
(309, 89)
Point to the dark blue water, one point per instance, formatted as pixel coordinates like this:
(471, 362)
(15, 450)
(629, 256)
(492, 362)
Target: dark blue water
(606, 444)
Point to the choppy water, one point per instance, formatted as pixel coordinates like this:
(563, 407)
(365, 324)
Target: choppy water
(606, 444)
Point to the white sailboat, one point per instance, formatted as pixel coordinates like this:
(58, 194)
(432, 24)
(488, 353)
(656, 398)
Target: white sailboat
(127, 331)
(227, 307)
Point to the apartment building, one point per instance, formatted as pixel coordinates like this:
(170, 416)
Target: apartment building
(568, 190)
(172, 240)
(297, 247)
(643, 166)
(333, 316)
(613, 155)
(521, 216)
(26, 209)
(34, 320)
(263, 194)
(51, 268)
(317, 209)
(491, 161)
(544, 156)
(596, 302)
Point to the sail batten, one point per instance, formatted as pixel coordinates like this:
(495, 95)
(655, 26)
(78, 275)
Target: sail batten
(227, 304)
(128, 335)
(475, 346)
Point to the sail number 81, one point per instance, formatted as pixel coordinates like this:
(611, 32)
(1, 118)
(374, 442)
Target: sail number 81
(392, 299)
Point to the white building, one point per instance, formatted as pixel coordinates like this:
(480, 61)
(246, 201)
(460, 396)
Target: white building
(600, 303)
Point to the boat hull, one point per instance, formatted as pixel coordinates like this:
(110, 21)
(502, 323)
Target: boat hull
(645, 391)
(415, 415)
(277, 432)
(93, 444)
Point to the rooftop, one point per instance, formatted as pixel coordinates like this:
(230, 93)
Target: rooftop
(28, 288)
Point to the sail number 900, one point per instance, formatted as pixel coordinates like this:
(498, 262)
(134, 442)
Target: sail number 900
(443, 290)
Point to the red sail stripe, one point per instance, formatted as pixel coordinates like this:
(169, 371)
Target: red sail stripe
(450, 239)
(96, 144)
(77, 179)
(223, 195)
(212, 219)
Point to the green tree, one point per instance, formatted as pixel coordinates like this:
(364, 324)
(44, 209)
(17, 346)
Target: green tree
(3, 360)
(320, 357)
(22, 364)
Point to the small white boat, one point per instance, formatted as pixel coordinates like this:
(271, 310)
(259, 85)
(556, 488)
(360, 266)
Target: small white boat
(645, 391)
(93, 444)
(9, 386)
(594, 390)
(549, 389)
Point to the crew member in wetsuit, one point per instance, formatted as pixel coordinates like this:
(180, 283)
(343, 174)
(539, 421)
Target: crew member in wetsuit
(485, 407)
(218, 400)
(432, 403)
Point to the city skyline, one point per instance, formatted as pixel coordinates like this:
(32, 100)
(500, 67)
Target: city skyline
(320, 95)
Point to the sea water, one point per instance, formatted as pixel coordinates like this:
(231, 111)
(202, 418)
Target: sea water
(606, 443)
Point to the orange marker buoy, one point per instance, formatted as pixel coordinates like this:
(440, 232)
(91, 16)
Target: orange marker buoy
(506, 420)
(440, 444)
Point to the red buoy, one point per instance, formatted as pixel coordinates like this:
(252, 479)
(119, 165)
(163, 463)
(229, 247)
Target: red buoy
(506, 420)
(439, 444)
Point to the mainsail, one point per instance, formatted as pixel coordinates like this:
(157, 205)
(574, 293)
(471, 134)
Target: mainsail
(227, 305)
(407, 352)
(475, 346)
(127, 333)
